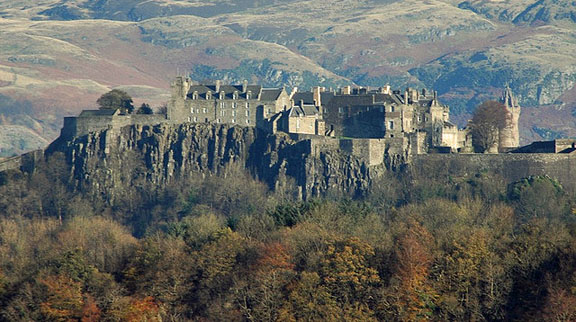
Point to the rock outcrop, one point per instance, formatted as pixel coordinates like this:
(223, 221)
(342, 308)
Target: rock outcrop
(108, 161)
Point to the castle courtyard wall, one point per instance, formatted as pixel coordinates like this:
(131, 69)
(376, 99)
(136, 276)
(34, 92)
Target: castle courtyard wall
(511, 166)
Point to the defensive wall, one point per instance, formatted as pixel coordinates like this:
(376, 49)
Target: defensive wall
(369, 151)
(75, 126)
(25, 162)
(510, 166)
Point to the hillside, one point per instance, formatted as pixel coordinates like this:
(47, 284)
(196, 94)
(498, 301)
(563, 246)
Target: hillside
(57, 57)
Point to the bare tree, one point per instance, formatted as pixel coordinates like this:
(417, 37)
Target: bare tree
(488, 120)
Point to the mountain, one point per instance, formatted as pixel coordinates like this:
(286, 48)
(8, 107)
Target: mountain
(58, 57)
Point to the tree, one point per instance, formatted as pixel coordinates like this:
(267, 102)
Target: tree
(144, 109)
(116, 99)
(488, 120)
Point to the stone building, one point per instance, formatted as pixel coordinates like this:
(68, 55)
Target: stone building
(301, 119)
(383, 113)
(509, 137)
(248, 105)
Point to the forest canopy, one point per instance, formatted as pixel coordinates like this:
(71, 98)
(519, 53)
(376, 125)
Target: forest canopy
(219, 249)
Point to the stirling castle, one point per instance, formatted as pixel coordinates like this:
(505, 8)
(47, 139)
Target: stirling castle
(320, 141)
(410, 121)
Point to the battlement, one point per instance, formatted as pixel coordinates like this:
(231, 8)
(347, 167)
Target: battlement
(98, 120)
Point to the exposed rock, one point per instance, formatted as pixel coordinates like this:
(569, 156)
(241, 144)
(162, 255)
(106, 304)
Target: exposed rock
(104, 162)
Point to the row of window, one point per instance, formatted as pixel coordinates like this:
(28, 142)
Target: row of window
(222, 106)
(221, 95)
(195, 119)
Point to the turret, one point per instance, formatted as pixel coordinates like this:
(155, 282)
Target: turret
(316, 95)
(179, 87)
(510, 136)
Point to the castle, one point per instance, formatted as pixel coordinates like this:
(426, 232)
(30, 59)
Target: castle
(408, 122)
(414, 119)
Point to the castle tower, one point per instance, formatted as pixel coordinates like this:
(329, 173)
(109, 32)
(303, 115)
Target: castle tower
(510, 136)
(176, 106)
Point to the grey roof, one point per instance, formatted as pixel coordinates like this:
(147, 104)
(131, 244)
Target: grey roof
(229, 90)
(106, 112)
(306, 110)
(270, 94)
(387, 98)
(307, 97)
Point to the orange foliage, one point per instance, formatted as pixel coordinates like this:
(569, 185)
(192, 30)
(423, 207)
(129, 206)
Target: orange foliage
(90, 311)
(415, 296)
(560, 306)
(64, 298)
(145, 309)
(274, 257)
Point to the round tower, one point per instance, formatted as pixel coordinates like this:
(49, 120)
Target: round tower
(510, 135)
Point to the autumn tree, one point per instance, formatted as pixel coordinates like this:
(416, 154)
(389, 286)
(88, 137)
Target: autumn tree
(488, 120)
(411, 297)
(260, 296)
(116, 99)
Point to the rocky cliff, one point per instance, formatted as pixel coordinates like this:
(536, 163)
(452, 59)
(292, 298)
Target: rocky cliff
(108, 161)
(111, 164)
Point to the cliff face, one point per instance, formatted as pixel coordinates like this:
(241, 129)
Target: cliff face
(108, 162)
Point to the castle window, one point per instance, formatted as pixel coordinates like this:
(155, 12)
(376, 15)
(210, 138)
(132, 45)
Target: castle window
(188, 118)
(247, 105)
(247, 121)
(208, 95)
(419, 118)
(204, 110)
(222, 112)
(234, 105)
(391, 125)
(195, 119)
(269, 111)
(247, 112)
(233, 113)
(340, 110)
(233, 121)
(392, 108)
(217, 120)
(297, 124)
(222, 105)
(192, 110)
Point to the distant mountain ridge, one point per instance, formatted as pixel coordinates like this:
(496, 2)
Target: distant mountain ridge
(61, 55)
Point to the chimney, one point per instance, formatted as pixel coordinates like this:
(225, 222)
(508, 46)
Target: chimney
(385, 89)
(406, 101)
(346, 90)
(316, 95)
(217, 85)
(435, 101)
(294, 91)
(244, 86)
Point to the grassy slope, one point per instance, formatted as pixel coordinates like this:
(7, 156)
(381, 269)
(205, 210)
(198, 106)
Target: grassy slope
(63, 66)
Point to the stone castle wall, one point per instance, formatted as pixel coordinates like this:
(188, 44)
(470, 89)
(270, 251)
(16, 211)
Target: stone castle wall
(77, 126)
(511, 166)
(25, 162)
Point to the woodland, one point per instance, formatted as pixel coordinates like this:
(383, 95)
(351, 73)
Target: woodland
(226, 248)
